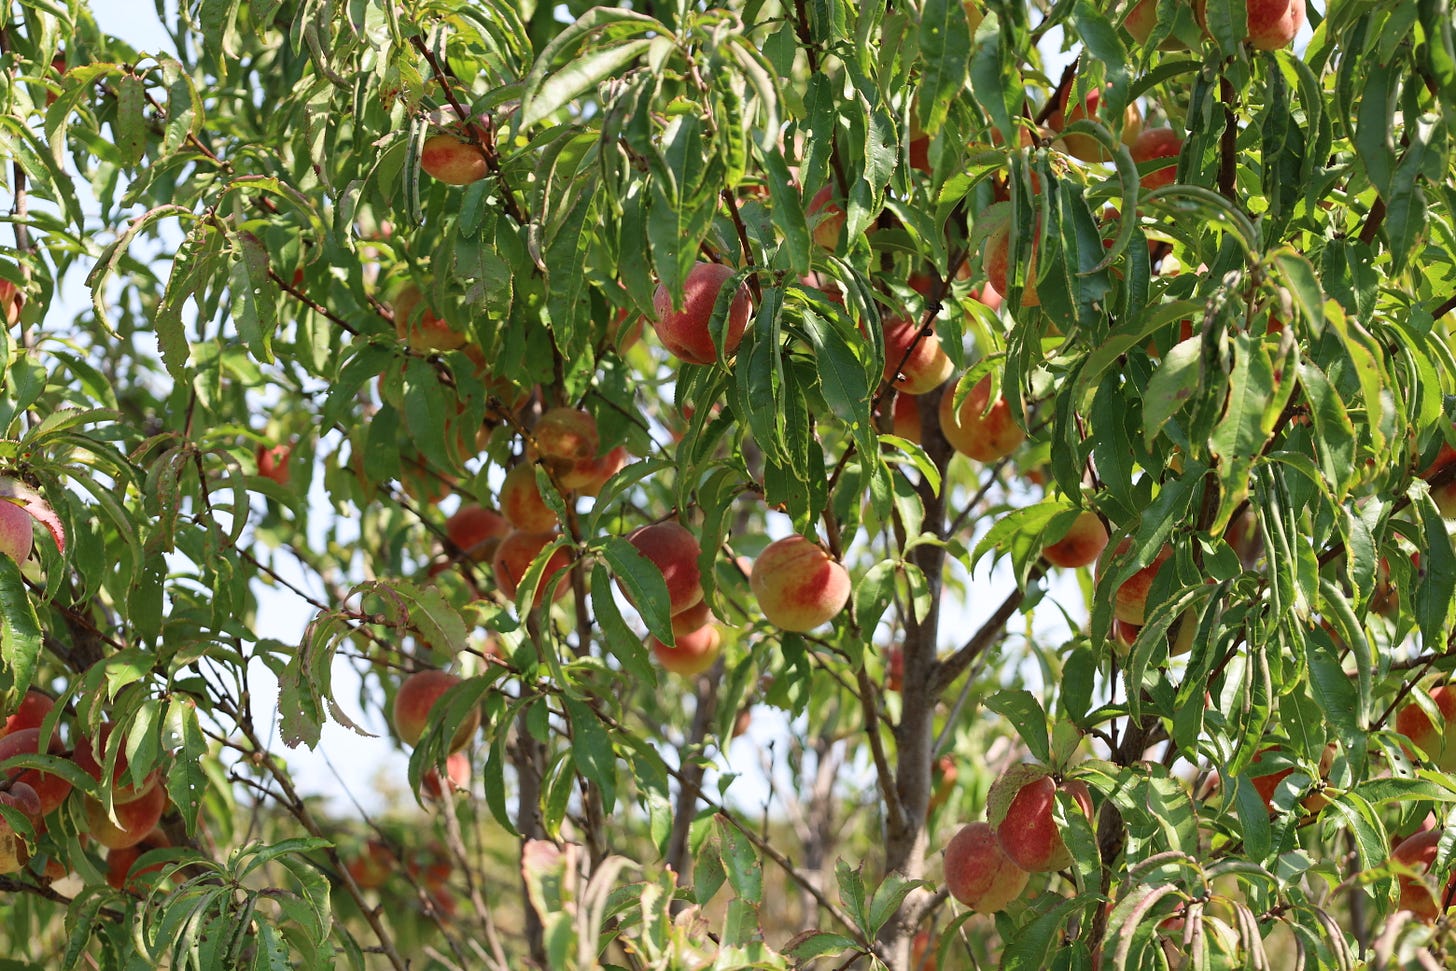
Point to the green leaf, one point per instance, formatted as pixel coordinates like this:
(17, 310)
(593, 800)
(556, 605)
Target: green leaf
(619, 639)
(1029, 949)
(1436, 588)
(644, 585)
(546, 96)
(1176, 380)
(592, 750)
(945, 49)
(740, 860)
(254, 296)
(1025, 713)
(996, 83)
(1240, 435)
(186, 780)
(131, 122)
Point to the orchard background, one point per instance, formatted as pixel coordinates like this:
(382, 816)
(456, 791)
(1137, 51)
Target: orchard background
(1099, 354)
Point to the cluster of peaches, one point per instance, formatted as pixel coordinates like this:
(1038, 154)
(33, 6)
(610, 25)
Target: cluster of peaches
(126, 831)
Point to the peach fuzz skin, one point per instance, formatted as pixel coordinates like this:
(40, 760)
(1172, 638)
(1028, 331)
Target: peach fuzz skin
(798, 585)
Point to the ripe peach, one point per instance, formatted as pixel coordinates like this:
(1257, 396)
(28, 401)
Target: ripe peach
(988, 295)
(687, 621)
(1141, 20)
(914, 363)
(974, 13)
(416, 697)
(588, 478)
(521, 502)
(825, 284)
(30, 713)
(674, 550)
(1152, 144)
(476, 531)
(1131, 600)
(946, 772)
(120, 863)
(922, 953)
(1417, 853)
(831, 222)
(52, 790)
(798, 584)
(456, 775)
(134, 820)
(417, 325)
(996, 260)
(1265, 785)
(985, 437)
(1081, 545)
(273, 462)
(452, 161)
(978, 872)
(1085, 147)
(12, 302)
(685, 332)
(1027, 829)
(21, 796)
(1272, 24)
(17, 531)
(566, 435)
(1439, 743)
(919, 153)
(905, 418)
(13, 852)
(1443, 495)
(694, 652)
(90, 756)
(514, 556)
(421, 481)
(372, 867)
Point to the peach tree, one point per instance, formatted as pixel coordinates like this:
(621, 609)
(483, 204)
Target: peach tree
(808, 483)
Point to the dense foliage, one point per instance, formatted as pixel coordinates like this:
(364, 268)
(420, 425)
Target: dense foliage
(353, 263)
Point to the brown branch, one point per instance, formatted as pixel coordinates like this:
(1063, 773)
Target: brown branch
(1228, 144)
(1373, 220)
